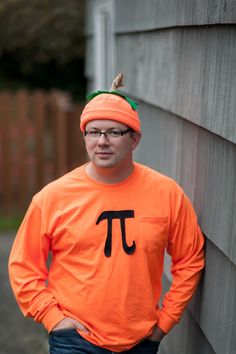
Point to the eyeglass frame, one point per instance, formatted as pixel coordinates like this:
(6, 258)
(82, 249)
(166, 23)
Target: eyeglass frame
(107, 133)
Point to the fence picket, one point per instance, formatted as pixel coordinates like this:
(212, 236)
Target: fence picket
(6, 180)
(60, 134)
(39, 112)
(22, 124)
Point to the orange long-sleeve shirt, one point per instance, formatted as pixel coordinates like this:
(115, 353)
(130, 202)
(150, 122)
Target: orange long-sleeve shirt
(107, 244)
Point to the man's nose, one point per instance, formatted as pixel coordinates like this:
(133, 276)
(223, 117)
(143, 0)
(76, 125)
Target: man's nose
(103, 140)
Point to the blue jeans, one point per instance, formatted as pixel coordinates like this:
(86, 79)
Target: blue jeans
(69, 341)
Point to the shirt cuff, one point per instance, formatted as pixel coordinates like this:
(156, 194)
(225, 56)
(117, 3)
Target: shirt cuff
(52, 317)
(165, 322)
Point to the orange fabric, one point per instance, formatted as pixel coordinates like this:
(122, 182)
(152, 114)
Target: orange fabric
(109, 106)
(116, 297)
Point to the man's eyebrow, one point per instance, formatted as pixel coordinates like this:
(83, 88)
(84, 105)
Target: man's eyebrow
(112, 128)
(117, 128)
(93, 128)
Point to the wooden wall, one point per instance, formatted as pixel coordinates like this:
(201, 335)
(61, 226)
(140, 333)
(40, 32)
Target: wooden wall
(179, 57)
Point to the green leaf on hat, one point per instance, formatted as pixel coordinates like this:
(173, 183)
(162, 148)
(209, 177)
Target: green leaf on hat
(133, 104)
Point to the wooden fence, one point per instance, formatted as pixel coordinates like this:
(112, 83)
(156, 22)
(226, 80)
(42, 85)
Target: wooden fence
(39, 141)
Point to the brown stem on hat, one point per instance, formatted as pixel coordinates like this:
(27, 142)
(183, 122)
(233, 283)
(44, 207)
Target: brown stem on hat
(117, 82)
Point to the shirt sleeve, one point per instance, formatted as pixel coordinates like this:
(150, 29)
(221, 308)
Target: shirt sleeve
(186, 248)
(28, 271)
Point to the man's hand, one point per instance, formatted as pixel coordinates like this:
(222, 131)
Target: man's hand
(68, 322)
(157, 334)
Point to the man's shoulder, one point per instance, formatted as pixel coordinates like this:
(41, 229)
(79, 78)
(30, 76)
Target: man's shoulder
(162, 187)
(155, 176)
(58, 187)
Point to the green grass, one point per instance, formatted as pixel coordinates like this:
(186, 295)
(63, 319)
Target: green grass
(9, 223)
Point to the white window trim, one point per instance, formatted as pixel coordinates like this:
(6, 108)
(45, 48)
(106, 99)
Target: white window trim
(100, 70)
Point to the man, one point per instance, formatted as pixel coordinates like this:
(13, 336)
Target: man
(107, 225)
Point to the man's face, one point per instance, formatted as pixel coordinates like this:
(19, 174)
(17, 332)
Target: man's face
(108, 151)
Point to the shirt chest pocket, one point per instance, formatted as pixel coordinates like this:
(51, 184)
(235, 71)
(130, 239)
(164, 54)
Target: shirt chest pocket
(152, 233)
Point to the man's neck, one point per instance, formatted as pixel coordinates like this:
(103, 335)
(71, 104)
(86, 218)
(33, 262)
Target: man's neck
(109, 175)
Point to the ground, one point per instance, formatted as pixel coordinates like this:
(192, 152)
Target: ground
(18, 335)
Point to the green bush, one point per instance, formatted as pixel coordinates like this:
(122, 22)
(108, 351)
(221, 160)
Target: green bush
(42, 45)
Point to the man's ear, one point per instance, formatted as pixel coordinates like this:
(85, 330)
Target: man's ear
(136, 137)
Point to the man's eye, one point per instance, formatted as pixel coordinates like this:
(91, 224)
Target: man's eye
(114, 133)
(94, 133)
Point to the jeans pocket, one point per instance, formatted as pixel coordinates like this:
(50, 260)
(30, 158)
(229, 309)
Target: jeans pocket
(153, 342)
(63, 331)
(146, 347)
(68, 341)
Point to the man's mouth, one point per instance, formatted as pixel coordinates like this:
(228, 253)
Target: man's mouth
(103, 153)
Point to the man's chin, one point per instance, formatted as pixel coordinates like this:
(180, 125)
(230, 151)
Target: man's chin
(104, 164)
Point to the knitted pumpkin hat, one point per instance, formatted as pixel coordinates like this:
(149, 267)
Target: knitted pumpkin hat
(111, 105)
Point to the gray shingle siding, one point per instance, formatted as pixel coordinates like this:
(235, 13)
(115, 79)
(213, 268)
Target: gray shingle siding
(179, 60)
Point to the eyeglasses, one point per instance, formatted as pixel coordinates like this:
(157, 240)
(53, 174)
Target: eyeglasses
(95, 134)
